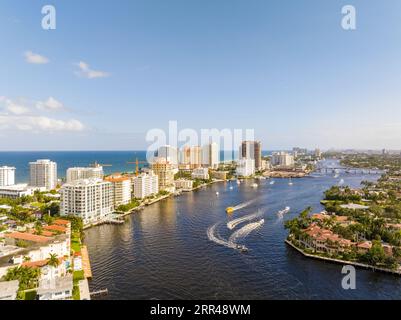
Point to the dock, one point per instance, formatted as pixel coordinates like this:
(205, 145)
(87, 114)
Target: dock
(99, 293)
(86, 267)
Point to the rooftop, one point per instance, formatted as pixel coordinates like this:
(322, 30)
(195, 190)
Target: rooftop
(27, 237)
(8, 288)
(55, 285)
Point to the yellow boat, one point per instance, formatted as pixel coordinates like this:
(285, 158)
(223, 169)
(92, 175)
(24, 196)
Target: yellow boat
(230, 210)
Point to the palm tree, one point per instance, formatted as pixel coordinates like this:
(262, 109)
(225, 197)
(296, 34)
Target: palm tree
(53, 261)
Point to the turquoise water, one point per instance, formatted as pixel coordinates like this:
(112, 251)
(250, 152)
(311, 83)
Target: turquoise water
(67, 159)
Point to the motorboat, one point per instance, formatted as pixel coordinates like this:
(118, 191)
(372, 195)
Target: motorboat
(229, 209)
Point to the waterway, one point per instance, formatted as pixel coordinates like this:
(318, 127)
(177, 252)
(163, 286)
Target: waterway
(181, 247)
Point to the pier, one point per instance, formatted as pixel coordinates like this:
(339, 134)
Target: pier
(99, 293)
(86, 267)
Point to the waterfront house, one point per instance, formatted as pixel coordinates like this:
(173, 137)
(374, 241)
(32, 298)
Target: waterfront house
(9, 290)
(364, 246)
(16, 237)
(324, 240)
(59, 288)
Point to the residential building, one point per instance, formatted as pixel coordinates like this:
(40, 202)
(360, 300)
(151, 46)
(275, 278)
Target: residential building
(245, 167)
(122, 189)
(282, 159)
(55, 289)
(165, 171)
(9, 290)
(184, 184)
(43, 173)
(220, 175)
(210, 155)
(145, 185)
(7, 176)
(78, 173)
(324, 240)
(185, 156)
(169, 153)
(16, 191)
(90, 199)
(48, 272)
(252, 150)
(194, 156)
(200, 173)
(297, 151)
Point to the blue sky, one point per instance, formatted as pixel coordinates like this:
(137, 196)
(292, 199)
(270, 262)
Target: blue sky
(283, 68)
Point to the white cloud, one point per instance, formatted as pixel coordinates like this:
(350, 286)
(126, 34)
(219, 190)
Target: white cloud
(17, 116)
(50, 104)
(35, 58)
(13, 107)
(39, 123)
(86, 72)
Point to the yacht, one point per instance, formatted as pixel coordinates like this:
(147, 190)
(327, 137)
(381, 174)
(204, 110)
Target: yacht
(290, 183)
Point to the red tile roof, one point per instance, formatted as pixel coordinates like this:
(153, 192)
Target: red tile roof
(61, 222)
(27, 237)
(55, 228)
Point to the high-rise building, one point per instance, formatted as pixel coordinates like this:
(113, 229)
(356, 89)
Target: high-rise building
(145, 185)
(191, 156)
(121, 189)
(185, 155)
(78, 173)
(165, 172)
(210, 155)
(245, 167)
(43, 174)
(7, 176)
(282, 159)
(89, 199)
(196, 157)
(318, 153)
(252, 150)
(169, 153)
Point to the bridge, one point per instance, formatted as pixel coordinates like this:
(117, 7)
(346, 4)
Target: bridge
(349, 170)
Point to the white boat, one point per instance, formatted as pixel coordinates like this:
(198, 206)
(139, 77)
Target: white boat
(238, 182)
(254, 185)
(272, 182)
(231, 187)
(290, 183)
(217, 193)
(284, 211)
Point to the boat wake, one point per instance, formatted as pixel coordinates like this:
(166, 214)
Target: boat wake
(232, 224)
(211, 234)
(245, 230)
(243, 205)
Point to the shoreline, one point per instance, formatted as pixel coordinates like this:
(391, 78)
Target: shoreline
(344, 262)
(143, 205)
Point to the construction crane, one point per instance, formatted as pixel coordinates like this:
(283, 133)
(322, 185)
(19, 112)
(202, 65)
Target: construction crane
(96, 165)
(137, 162)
